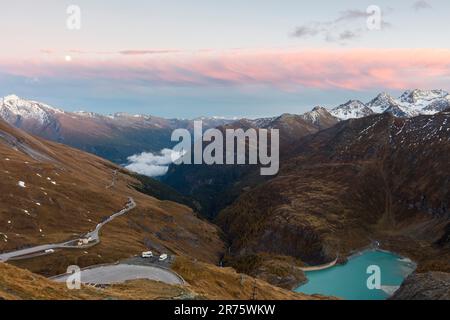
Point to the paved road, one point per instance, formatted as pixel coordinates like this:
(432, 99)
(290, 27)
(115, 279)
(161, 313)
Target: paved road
(123, 272)
(95, 234)
(72, 244)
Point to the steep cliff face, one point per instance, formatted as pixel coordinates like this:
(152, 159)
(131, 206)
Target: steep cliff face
(425, 286)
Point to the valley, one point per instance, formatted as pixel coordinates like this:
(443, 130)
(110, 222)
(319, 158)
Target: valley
(57, 197)
(343, 185)
(338, 191)
(262, 155)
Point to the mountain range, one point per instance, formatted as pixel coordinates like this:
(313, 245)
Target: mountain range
(348, 176)
(118, 136)
(410, 104)
(113, 137)
(377, 177)
(339, 188)
(51, 193)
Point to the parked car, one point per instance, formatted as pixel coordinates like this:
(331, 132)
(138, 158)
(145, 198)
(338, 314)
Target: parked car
(163, 257)
(49, 251)
(147, 254)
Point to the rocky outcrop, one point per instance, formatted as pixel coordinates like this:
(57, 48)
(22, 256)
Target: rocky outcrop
(425, 286)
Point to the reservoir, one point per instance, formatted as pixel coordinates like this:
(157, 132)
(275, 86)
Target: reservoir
(349, 281)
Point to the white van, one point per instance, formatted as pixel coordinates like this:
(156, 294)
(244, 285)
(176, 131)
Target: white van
(49, 251)
(147, 254)
(163, 257)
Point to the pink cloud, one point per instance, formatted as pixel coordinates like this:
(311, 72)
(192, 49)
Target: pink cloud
(143, 52)
(353, 69)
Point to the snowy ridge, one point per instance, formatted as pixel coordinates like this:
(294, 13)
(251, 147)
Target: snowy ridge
(352, 109)
(13, 108)
(87, 114)
(315, 115)
(261, 122)
(410, 104)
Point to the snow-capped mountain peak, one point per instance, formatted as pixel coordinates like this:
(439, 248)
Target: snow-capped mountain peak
(410, 104)
(382, 102)
(351, 109)
(314, 115)
(416, 102)
(419, 96)
(14, 108)
(11, 97)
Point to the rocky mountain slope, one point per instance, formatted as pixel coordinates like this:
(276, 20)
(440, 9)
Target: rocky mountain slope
(376, 178)
(216, 186)
(425, 286)
(52, 193)
(113, 137)
(116, 137)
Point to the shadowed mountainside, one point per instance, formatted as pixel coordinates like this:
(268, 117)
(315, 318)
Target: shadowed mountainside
(375, 178)
(51, 192)
(216, 186)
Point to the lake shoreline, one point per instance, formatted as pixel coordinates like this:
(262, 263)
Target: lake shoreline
(375, 246)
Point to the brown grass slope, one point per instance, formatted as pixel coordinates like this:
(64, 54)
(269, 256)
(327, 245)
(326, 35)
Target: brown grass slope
(66, 194)
(82, 196)
(205, 282)
(19, 284)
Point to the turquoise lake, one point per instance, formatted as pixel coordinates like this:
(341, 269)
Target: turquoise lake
(349, 281)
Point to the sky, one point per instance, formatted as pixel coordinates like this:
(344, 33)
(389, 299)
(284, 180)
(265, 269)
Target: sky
(253, 58)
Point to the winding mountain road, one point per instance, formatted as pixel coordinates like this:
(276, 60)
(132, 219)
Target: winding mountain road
(45, 249)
